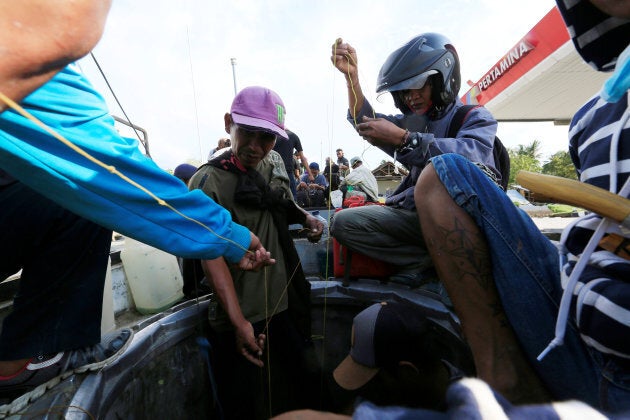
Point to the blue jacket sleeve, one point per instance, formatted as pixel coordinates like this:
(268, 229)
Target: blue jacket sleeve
(474, 140)
(193, 226)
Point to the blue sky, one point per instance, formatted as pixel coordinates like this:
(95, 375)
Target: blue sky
(169, 63)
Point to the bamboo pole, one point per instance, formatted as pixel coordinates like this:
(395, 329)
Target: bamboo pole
(569, 191)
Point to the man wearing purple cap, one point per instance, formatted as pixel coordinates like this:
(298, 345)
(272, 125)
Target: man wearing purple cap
(251, 182)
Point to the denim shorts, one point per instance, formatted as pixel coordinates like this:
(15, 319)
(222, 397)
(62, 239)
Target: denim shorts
(527, 276)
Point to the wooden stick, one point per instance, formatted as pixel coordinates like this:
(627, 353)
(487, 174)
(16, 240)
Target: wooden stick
(576, 193)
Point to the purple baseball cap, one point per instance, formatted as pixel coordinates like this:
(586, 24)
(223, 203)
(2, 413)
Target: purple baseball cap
(259, 107)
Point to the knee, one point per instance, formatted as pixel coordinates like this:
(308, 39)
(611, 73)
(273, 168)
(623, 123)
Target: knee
(338, 225)
(425, 186)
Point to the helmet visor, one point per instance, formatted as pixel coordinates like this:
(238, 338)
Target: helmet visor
(415, 82)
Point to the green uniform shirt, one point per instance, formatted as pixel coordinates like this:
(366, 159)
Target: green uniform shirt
(251, 287)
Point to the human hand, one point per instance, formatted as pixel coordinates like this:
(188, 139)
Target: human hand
(344, 58)
(250, 347)
(256, 257)
(315, 228)
(380, 132)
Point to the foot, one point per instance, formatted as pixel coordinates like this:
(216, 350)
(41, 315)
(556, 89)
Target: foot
(412, 280)
(438, 289)
(42, 373)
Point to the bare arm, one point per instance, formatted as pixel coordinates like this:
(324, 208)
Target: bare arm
(344, 58)
(249, 346)
(306, 168)
(314, 225)
(256, 257)
(381, 132)
(40, 37)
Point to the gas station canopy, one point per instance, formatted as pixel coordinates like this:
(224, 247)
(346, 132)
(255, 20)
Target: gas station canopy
(542, 78)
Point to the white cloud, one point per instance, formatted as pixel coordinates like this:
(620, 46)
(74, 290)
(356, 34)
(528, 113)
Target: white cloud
(155, 51)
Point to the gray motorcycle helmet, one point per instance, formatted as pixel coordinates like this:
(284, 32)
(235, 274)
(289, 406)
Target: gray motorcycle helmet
(427, 58)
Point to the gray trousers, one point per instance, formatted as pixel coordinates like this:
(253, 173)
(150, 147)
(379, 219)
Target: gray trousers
(383, 233)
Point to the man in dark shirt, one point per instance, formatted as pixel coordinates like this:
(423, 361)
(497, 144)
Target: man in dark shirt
(331, 173)
(342, 162)
(285, 148)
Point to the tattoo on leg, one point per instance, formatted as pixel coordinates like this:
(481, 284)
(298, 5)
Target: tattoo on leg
(469, 253)
(469, 260)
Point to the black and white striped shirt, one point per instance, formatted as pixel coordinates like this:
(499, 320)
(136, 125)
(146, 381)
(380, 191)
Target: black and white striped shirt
(599, 143)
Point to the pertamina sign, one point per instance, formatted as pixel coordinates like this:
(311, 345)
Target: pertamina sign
(505, 64)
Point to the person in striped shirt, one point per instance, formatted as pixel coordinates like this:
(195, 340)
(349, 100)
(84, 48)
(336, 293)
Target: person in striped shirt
(503, 275)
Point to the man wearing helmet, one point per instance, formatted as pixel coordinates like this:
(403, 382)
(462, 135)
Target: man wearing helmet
(423, 78)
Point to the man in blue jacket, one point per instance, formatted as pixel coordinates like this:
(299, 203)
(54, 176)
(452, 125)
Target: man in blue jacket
(423, 77)
(67, 179)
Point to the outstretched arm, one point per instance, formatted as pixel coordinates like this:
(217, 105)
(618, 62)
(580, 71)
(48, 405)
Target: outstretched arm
(306, 167)
(256, 257)
(315, 226)
(380, 132)
(344, 58)
(40, 37)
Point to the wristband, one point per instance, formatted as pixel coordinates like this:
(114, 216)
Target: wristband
(405, 137)
(410, 141)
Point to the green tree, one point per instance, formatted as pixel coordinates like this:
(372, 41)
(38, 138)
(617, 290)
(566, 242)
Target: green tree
(522, 163)
(524, 158)
(532, 150)
(560, 164)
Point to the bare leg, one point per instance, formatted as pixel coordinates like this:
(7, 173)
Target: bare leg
(460, 254)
